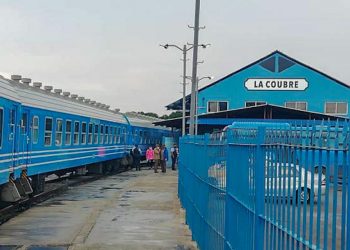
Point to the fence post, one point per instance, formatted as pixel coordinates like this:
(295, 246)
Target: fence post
(259, 189)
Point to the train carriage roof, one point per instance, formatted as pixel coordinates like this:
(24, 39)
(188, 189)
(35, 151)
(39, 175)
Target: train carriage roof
(139, 120)
(37, 97)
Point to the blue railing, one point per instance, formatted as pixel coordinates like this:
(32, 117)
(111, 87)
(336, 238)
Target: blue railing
(268, 186)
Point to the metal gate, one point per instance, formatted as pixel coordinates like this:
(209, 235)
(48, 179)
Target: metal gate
(268, 186)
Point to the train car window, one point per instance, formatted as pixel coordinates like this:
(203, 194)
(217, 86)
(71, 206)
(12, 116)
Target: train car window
(115, 135)
(59, 131)
(76, 133)
(123, 136)
(1, 124)
(48, 132)
(96, 134)
(83, 133)
(106, 134)
(141, 136)
(111, 130)
(90, 134)
(24, 122)
(101, 134)
(35, 128)
(68, 132)
(118, 135)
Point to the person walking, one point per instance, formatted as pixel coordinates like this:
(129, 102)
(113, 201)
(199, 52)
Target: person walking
(150, 157)
(136, 153)
(174, 154)
(156, 157)
(163, 158)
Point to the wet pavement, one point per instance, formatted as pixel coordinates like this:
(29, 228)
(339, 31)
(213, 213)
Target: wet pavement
(131, 210)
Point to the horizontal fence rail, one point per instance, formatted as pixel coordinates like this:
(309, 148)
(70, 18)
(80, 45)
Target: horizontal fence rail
(259, 185)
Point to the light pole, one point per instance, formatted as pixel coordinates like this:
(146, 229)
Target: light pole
(194, 65)
(184, 50)
(184, 53)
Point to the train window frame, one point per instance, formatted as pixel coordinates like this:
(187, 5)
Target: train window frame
(1, 125)
(90, 134)
(83, 134)
(111, 130)
(68, 134)
(106, 134)
(48, 131)
(35, 140)
(115, 135)
(96, 131)
(102, 129)
(76, 137)
(59, 132)
(24, 123)
(119, 131)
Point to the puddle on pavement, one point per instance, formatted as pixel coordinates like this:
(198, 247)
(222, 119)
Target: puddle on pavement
(124, 205)
(136, 191)
(108, 188)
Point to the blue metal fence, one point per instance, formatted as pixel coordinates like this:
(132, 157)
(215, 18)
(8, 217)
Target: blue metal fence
(268, 186)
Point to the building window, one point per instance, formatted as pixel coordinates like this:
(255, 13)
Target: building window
(101, 134)
(83, 133)
(254, 103)
(339, 108)
(90, 134)
(68, 132)
(76, 133)
(215, 106)
(296, 105)
(96, 135)
(35, 129)
(48, 132)
(59, 129)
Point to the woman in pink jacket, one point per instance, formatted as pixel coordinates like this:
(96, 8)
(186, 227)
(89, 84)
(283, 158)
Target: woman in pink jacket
(150, 157)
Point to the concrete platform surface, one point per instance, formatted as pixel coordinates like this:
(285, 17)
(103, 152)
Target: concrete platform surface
(131, 210)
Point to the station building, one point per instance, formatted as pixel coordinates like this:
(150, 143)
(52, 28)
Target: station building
(275, 79)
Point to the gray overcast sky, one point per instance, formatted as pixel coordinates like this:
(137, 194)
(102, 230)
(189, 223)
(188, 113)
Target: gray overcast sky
(108, 50)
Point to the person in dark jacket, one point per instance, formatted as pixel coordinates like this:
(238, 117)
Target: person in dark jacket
(163, 158)
(136, 154)
(174, 154)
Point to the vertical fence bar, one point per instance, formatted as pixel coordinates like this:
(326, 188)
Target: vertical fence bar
(259, 189)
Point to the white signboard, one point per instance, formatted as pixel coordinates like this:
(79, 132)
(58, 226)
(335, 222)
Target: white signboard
(281, 84)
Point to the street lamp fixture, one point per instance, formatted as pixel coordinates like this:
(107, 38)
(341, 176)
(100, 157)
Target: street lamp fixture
(184, 51)
(196, 101)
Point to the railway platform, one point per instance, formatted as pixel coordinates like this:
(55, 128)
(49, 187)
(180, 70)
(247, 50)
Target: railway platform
(131, 210)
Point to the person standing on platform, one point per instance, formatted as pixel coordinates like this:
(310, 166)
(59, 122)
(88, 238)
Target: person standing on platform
(163, 158)
(156, 157)
(150, 157)
(174, 154)
(136, 153)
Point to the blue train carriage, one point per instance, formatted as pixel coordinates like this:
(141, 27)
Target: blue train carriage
(45, 131)
(145, 134)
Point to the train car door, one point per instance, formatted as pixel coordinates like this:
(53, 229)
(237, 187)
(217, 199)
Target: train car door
(13, 141)
(25, 139)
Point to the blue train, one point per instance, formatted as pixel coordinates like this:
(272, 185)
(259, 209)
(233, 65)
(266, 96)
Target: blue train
(45, 131)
